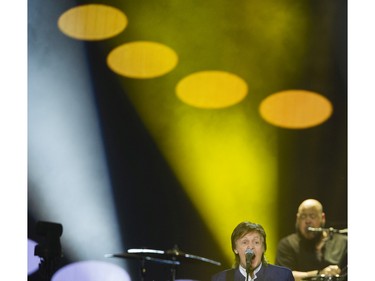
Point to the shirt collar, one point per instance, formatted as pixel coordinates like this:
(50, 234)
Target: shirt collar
(243, 272)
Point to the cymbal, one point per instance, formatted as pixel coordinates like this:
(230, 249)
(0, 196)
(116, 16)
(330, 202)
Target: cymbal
(141, 257)
(174, 254)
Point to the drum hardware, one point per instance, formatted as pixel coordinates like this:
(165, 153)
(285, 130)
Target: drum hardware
(173, 257)
(174, 254)
(142, 259)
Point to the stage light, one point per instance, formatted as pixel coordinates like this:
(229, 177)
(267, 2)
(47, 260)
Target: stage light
(142, 59)
(211, 89)
(296, 109)
(67, 171)
(92, 22)
(48, 248)
(32, 260)
(91, 270)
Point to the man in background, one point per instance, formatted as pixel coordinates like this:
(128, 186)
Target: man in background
(312, 251)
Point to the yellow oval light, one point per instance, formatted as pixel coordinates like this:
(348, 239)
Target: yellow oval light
(211, 89)
(142, 59)
(296, 109)
(92, 22)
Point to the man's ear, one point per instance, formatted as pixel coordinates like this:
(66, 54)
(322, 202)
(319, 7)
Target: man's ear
(235, 251)
(323, 219)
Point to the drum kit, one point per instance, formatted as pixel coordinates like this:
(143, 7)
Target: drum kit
(172, 257)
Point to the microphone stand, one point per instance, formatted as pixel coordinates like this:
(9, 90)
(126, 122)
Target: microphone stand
(248, 271)
(329, 230)
(332, 230)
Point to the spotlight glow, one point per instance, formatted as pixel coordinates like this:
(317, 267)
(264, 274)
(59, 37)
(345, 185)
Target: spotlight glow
(67, 172)
(142, 59)
(211, 89)
(92, 22)
(229, 174)
(32, 260)
(296, 109)
(91, 271)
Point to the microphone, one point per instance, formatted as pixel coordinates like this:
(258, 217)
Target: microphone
(249, 256)
(315, 229)
(330, 230)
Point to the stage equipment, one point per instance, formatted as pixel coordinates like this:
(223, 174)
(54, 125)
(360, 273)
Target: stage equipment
(49, 249)
(172, 257)
(330, 230)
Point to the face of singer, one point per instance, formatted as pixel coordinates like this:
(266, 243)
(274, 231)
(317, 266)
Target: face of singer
(310, 214)
(251, 240)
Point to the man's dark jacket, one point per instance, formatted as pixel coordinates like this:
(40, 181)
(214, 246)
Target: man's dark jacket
(268, 272)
